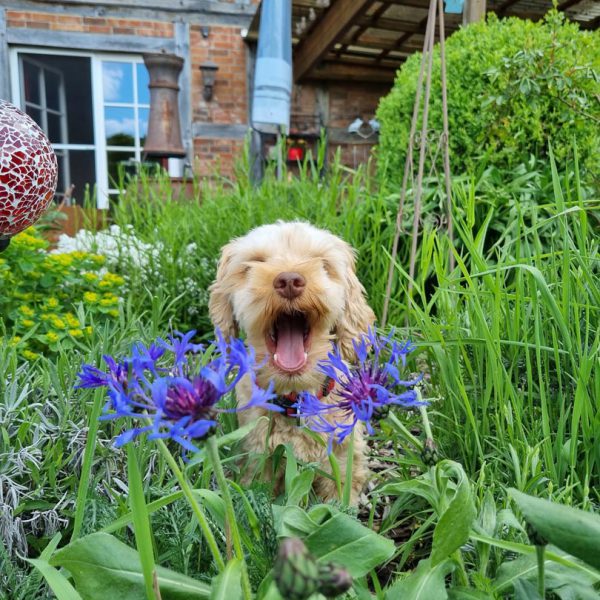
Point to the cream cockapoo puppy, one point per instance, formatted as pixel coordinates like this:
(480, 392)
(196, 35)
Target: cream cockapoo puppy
(292, 289)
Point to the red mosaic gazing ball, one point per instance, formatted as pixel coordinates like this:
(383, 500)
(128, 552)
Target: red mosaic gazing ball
(28, 171)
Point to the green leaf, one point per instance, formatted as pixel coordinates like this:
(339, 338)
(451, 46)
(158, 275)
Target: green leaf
(463, 593)
(454, 525)
(574, 531)
(102, 567)
(57, 582)
(300, 487)
(526, 590)
(228, 584)
(141, 523)
(343, 541)
(525, 568)
(292, 521)
(425, 583)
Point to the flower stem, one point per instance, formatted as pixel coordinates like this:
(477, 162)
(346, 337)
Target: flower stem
(404, 430)
(424, 415)
(88, 460)
(540, 551)
(186, 488)
(348, 477)
(215, 459)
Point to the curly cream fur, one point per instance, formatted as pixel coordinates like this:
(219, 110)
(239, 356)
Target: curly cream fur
(243, 298)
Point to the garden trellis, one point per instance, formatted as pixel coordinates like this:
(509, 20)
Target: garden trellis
(428, 142)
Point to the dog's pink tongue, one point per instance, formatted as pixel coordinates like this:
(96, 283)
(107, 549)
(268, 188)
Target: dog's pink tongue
(290, 344)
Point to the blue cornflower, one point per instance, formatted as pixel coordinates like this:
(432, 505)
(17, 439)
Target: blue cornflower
(174, 388)
(364, 391)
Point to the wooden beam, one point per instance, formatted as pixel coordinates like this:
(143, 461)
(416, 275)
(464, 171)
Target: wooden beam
(352, 72)
(475, 10)
(195, 12)
(355, 58)
(593, 24)
(504, 7)
(397, 45)
(567, 4)
(371, 21)
(117, 42)
(4, 79)
(424, 4)
(333, 24)
(390, 25)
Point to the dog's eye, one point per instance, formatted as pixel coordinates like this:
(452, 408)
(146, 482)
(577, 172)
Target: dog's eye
(258, 259)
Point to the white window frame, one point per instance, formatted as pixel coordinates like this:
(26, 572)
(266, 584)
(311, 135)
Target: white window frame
(99, 147)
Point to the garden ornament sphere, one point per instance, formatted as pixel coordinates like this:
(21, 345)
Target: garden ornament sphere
(28, 172)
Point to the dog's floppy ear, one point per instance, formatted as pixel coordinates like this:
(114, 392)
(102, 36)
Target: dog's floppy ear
(358, 315)
(220, 308)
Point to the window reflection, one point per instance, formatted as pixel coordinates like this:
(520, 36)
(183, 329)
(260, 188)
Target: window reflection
(117, 81)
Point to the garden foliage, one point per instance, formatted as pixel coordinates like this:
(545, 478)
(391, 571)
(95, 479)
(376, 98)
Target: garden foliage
(508, 343)
(513, 86)
(49, 300)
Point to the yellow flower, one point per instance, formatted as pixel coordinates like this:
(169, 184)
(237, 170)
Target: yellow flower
(26, 311)
(57, 322)
(90, 297)
(97, 258)
(89, 330)
(52, 302)
(111, 279)
(52, 337)
(113, 313)
(109, 300)
(14, 340)
(72, 321)
(46, 316)
(29, 239)
(90, 277)
(29, 355)
(75, 332)
(64, 260)
(27, 323)
(79, 255)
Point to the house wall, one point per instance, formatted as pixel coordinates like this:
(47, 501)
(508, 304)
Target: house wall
(213, 130)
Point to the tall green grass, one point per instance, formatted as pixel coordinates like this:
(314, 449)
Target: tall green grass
(513, 341)
(511, 335)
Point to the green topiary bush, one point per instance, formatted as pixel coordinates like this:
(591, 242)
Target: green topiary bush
(513, 86)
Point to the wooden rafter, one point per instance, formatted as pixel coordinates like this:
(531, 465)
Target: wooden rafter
(567, 4)
(505, 6)
(366, 22)
(333, 24)
(397, 45)
(353, 72)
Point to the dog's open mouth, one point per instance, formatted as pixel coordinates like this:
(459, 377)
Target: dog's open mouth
(288, 342)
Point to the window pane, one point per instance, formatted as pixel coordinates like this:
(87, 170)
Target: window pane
(117, 79)
(119, 124)
(116, 159)
(76, 168)
(35, 114)
(143, 124)
(31, 82)
(76, 73)
(143, 79)
(54, 129)
(53, 87)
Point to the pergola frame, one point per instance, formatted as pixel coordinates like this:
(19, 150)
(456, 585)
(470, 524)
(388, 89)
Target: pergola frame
(367, 40)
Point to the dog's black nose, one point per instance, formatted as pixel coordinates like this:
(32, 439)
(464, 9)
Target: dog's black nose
(289, 284)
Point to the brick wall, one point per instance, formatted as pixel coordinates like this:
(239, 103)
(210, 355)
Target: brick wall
(54, 22)
(229, 105)
(224, 46)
